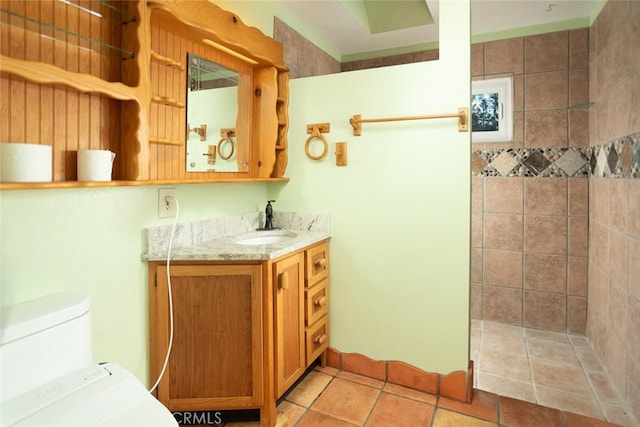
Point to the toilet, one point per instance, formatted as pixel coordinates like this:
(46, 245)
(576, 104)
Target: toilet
(48, 376)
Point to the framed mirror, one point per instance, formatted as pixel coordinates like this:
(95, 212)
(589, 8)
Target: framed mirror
(216, 139)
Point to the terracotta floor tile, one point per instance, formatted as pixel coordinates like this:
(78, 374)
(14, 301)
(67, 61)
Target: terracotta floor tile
(483, 405)
(571, 402)
(396, 411)
(317, 419)
(327, 370)
(371, 382)
(288, 414)
(575, 420)
(410, 393)
(518, 413)
(506, 386)
(309, 388)
(444, 418)
(347, 400)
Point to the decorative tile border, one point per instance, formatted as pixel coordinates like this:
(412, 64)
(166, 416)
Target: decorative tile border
(619, 158)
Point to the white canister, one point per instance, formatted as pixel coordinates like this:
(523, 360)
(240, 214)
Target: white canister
(95, 165)
(23, 162)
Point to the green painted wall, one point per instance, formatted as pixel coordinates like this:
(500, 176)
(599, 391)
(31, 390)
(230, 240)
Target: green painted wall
(400, 262)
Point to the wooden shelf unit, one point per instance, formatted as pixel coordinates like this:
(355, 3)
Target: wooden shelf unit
(118, 82)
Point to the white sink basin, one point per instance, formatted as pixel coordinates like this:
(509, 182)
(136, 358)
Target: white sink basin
(267, 237)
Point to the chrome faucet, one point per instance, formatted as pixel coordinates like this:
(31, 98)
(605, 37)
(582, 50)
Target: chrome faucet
(268, 215)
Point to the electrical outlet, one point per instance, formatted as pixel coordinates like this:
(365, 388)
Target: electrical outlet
(166, 202)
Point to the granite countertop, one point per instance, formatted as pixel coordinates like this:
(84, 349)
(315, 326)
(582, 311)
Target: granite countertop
(217, 239)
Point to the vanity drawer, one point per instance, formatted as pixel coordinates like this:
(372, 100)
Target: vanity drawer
(317, 264)
(316, 302)
(317, 339)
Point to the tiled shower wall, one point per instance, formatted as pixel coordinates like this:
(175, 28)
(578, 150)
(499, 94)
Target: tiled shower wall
(613, 321)
(530, 209)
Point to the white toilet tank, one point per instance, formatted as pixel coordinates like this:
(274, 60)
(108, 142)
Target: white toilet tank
(43, 339)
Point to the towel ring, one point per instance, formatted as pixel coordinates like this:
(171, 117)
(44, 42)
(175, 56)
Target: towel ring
(316, 134)
(226, 138)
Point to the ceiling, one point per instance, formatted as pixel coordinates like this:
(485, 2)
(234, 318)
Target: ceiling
(340, 24)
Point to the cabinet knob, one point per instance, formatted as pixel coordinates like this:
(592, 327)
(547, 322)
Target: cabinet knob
(320, 263)
(283, 280)
(320, 302)
(320, 339)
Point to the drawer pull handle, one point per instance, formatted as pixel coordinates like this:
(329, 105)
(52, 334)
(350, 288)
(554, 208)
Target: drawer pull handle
(320, 263)
(320, 302)
(320, 339)
(284, 280)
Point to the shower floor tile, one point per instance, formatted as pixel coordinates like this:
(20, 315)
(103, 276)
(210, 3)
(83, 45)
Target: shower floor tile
(552, 369)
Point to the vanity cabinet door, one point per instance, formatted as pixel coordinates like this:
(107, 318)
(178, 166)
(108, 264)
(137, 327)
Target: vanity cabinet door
(288, 282)
(216, 357)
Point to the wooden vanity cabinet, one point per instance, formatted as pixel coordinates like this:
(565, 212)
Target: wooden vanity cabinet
(216, 356)
(288, 279)
(244, 333)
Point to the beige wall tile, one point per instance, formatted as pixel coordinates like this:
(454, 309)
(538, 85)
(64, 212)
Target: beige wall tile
(545, 311)
(579, 197)
(577, 276)
(634, 269)
(545, 90)
(477, 59)
(578, 87)
(633, 316)
(477, 228)
(599, 246)
(576, 315)
(476, 301)
(477, 194)
(634, 208)
(545, 234)
(503, 231)
(618, 322)
(616, 360)
(578, 236)
(547, 52)
(546, 128)
(476, 265)
(579, 48)
(618, 204)
(518, 92)
(503, 194)
(502, 304)
(579, 127)
(618, 259)
(545, 196)
(502, 268)
(599, 200)
(545, 273)
(504, 56)
(632, 393)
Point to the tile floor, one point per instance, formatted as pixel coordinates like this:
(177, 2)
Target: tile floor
(327, 397)
(552, 369)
